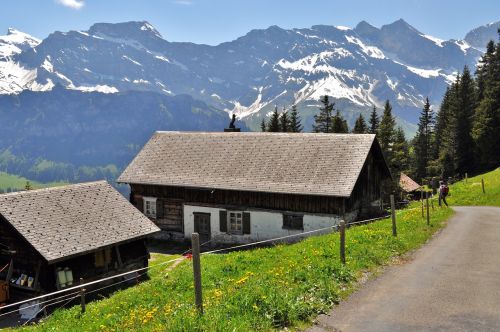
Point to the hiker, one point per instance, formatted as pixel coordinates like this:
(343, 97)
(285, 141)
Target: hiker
(443, 192)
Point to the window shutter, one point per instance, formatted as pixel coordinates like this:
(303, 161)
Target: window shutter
(223, 221)
(246, 223)
(159, 209)
(139, 203)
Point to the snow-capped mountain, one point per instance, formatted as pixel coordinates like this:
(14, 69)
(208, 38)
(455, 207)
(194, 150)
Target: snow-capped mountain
(359, 67)
(480, 36)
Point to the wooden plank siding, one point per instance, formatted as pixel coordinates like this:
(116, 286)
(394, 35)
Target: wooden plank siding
(272, 201)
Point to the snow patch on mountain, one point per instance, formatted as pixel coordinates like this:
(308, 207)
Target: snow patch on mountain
(371, 51)
(97, 88)
(437, 41)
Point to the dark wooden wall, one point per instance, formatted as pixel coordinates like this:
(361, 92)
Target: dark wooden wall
(241, 199)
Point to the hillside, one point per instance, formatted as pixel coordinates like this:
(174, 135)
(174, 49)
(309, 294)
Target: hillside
(9, 182)
(261, 289)
(74, 136)
(471, 193)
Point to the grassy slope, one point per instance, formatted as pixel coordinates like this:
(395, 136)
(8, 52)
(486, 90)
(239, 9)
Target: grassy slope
(470, 193)
(18, 183)
(262, 289)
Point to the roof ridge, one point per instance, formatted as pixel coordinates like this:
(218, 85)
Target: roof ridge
(50, 189)
(256, 133)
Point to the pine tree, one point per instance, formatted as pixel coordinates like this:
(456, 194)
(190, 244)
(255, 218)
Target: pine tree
(284, 122)
(422, 143)
(28, 186)
(274, 122)
(442, 125)
(386, 130)
(263, 125)
(400, 161)
(360, 126)
(324, 120)
(484, 68)
(461, 125)
(374, 121)
(295, 121)
(486, 126)
(339, 124)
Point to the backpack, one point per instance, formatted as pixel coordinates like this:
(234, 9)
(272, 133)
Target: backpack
(445, 190)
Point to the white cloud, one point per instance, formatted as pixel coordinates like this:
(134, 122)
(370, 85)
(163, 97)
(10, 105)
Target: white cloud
(74, 4)
(183, 2)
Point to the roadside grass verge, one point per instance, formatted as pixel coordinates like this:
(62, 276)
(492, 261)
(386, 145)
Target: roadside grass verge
(471, 193)
(263, 289)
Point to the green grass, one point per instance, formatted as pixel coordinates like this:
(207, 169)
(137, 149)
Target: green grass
(18, 183)
(263, 289)
(471, 193)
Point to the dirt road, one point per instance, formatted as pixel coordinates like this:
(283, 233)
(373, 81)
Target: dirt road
(452, 284)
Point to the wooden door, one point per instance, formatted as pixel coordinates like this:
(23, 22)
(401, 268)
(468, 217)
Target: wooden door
(202, 226)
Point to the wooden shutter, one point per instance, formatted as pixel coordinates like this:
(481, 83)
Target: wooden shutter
(223, 221)
(139, 203)
(246, 223)
(159, 209)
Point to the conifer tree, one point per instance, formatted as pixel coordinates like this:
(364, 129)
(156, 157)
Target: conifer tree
(324, 120)
(28, 186)
(374, 121)
(484, 67)
(386, 130)
(263, 125)
(274, 122)
(284, 122)
(295, 121)
(400, 161)
(461, 125)
(339, 124)
(360, 126)
(486, 126)
(422, 143)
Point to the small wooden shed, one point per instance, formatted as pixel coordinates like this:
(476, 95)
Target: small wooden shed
(50, 238)
(241, 187)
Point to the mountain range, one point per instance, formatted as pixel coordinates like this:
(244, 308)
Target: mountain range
(123, 76)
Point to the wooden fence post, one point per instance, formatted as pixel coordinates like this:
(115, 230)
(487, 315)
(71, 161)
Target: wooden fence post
(342, 241)
(393, 213)
(195, 245)
(82, 296)
(422, 199)
(427, 204)
(465, 177)
(482, 185)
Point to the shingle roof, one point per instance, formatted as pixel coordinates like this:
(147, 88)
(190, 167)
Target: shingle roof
(311, 164)
(407, 184)
(72, 220)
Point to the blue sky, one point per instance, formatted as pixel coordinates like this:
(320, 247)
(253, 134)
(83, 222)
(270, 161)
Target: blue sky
(216, 21)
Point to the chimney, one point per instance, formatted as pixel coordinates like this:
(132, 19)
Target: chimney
(232, 127)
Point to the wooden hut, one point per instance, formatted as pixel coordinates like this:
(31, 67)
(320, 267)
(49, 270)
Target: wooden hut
(240, 187)
(50, 238)
(409, 187)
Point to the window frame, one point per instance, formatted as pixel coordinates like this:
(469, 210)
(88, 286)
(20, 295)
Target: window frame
(292, 224)
(240, 218)
(152, 203)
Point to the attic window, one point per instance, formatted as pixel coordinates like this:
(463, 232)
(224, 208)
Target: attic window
(150, 206)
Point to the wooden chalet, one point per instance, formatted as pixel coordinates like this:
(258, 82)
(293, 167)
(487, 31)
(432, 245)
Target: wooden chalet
(239, 187)
(50, 238)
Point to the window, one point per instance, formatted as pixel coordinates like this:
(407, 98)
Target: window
(293, 221)
(236, 222)
(150, 206)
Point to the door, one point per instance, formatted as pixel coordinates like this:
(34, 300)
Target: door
(202, 226)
